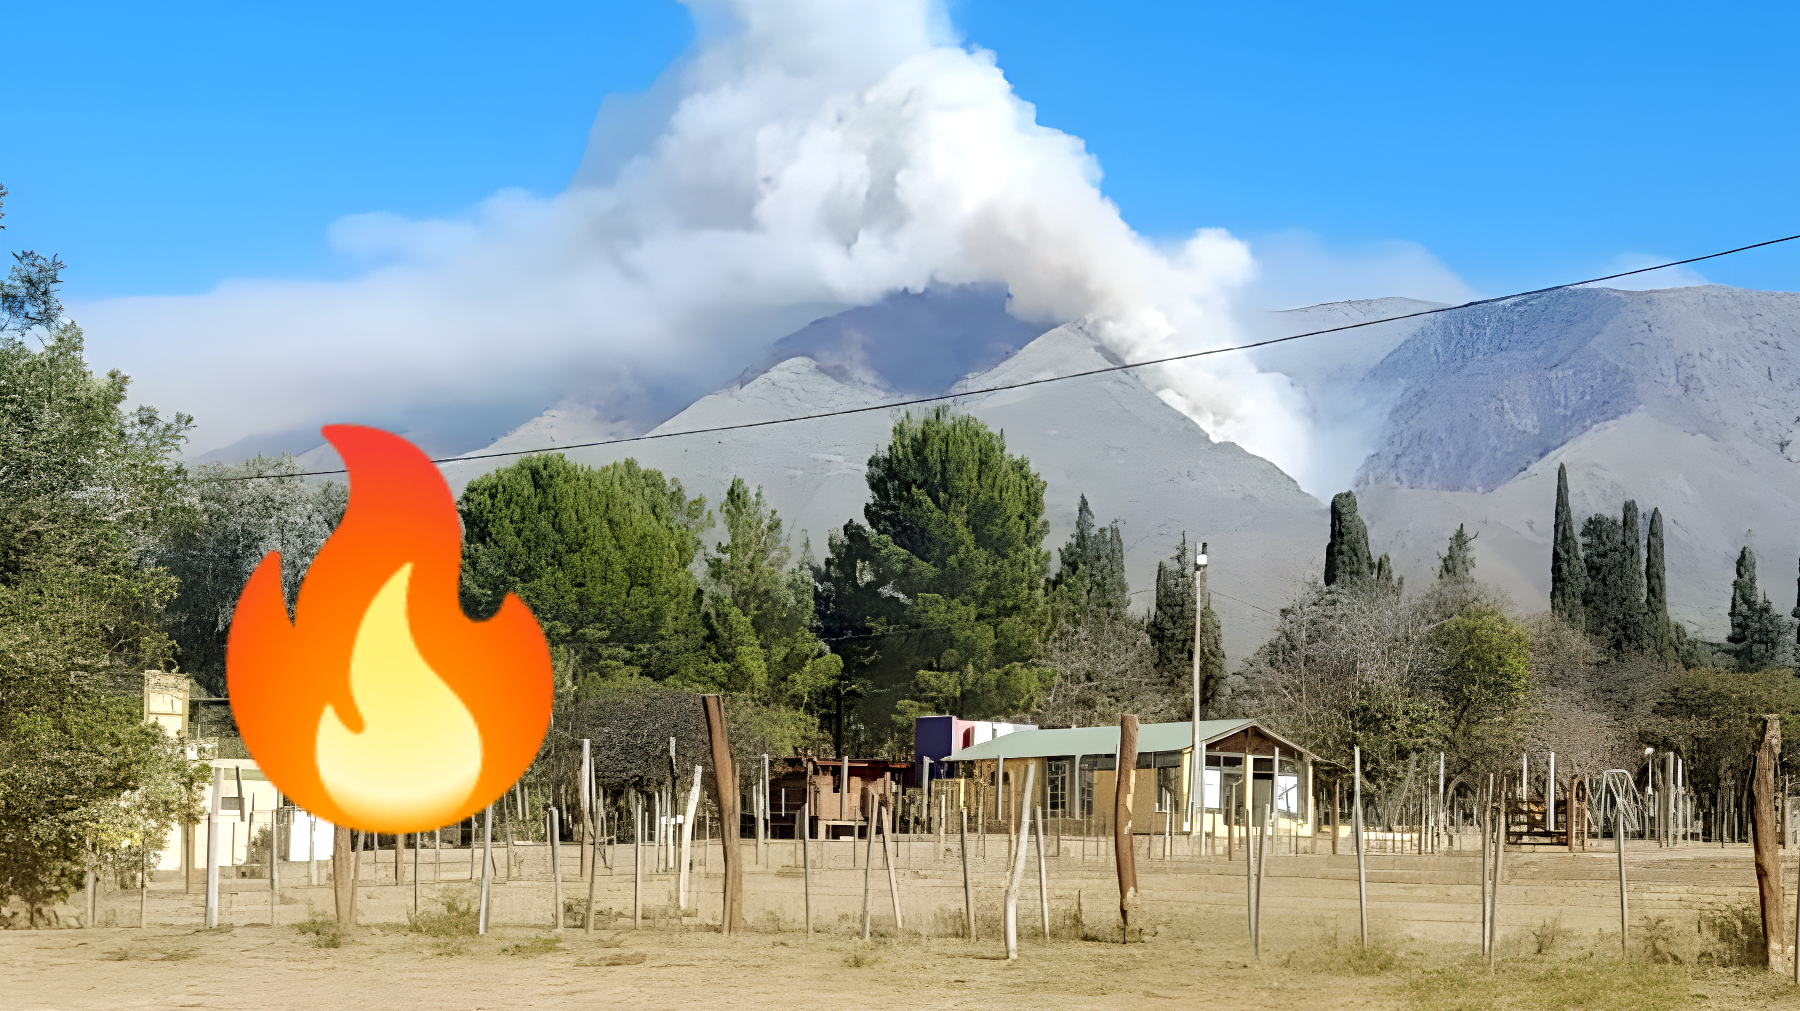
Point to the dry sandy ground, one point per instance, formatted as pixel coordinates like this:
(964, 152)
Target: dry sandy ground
(252, 967)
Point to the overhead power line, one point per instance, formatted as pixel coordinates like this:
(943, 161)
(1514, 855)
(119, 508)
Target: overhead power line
(916, 401)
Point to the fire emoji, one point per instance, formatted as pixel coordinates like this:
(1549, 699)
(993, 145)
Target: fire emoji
(380, 705)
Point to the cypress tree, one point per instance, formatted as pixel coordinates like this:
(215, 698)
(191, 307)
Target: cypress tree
(1603, 552)
(1568, 573)
(1172, 618)
(1743, 599)
(1384, 574)
(1759, 633)
(1633, 636)
(1212, 656)
(1347, 557)
(1656, 591)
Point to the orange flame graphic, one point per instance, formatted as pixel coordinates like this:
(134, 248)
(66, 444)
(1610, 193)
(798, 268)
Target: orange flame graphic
(381, 706)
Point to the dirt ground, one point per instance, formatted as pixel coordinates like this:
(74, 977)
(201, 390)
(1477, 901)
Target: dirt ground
(390, 968)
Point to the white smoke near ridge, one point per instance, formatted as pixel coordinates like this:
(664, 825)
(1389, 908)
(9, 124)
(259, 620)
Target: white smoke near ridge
(816, 154)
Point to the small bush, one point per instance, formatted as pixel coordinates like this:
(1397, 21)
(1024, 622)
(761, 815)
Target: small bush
(1737, 936)
(460, 918)
(860, 957)
(326, 931)
(1550, 934)
(1657, 935)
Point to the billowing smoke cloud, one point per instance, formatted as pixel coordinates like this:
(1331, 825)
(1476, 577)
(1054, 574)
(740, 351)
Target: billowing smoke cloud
(806, 155)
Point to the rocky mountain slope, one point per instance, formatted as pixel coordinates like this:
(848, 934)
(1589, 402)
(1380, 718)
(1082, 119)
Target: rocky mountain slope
(1110, 437)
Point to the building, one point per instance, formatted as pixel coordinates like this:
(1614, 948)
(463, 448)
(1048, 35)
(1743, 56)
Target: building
(1075, 772)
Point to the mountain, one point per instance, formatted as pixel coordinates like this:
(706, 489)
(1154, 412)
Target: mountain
(1110, 437)
(1683, 398)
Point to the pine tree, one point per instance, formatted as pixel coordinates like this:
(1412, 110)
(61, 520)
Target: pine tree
(1659, 628)
(1092, 564)
(1458, 564)
(1347, 557)
(1633, 635)
(1568, 573)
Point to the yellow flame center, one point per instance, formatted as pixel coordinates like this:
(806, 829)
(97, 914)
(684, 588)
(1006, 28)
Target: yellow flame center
(419, 754)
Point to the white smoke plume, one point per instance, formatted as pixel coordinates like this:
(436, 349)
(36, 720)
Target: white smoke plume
(804, 156)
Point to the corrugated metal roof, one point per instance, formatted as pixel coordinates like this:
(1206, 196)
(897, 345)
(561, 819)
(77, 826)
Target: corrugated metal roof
(1097, 740)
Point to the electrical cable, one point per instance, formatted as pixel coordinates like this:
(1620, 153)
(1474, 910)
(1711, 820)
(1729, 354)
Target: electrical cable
(1031, 382)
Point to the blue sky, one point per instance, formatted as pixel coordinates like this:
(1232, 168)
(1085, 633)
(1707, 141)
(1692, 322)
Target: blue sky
(162, 150)
(280, 218)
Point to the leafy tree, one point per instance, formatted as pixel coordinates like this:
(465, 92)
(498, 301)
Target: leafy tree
(1347, 557)
(1568, 571)
(602, 556)
(85, 489)
(1713, 717)
(240, 513)
(952, 557)
(1484, 678)
(1760, 635)
(759, 613)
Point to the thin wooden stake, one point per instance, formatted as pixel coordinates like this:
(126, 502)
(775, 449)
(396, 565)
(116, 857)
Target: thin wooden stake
(1619, 846)
(968, 890)
(888, 862)
(1362, 870)
(487, 855)
(805, 832)
(868, 866)
(1043, 876)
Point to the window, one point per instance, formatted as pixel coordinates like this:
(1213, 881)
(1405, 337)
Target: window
(1058, 787)
(1168, 784)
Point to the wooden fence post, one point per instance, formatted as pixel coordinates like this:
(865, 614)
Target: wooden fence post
(1124, 854)
(1763, 834)
(731, 919)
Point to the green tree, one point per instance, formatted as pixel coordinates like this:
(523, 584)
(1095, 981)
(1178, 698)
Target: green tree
(1568, 572)
(1092, 571)
(1172, 627)
(759, 613)
(952, 556)
(1659, 631)
(1347, 557)
(240, 513)
(85, 489)
(1457, 563)
(1633, 633)
(1760, 634)
(1484, 678)
(603, 556)
(1603, 604)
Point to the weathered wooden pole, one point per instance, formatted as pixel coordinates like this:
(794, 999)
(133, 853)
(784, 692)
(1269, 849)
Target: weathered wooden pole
(1263, 838)
(725, 782)
(804, 829)
(1499, 867)
(1124, 792)
(342, 887)
(556, 900)
(1362, 870)
(637, 860)
(211, 919)
(968, 890)
(1619, 847)
(1043, 876)
(1011, 909)
(887, 862)
(593, 867)
(1764, 835)
(487, 859)
(868, 860)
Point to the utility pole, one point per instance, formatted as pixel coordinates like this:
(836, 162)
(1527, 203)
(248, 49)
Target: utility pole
(1197, 782)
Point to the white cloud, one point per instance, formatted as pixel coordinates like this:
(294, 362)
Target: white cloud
(805, 155)
(1667, 277)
